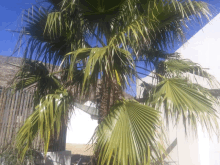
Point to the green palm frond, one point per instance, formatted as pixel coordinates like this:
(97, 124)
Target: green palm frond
(57, 4)
(47, 117)
(180, 66)
(154, 23)
(161, 23)
(191, 102)
(133, 125)
(35, 74)
(177, 67)
(152, 58)
(42, 43)
(172, 20)
(103, 61)
(63, 34)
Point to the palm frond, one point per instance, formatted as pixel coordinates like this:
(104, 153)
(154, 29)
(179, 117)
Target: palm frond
(57, 4)
(154, 23)
(191, 102)
(170, 26)
(61, 35)
(133, 125)
(176, 67)
(49, 115)
(160, 24)
(35, 74)
(42, 43)
(103, 61)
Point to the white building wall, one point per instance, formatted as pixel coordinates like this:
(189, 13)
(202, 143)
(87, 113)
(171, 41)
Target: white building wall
(202, 48)
(81, 126)
(139, 90)
(187, 148)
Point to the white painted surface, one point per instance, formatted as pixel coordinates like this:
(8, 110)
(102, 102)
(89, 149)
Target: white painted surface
(187, 147)
(202, 48)
(204, 145)
(81, 127)
(139, 90)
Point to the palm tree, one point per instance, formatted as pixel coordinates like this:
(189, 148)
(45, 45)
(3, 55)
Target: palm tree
(127, 32)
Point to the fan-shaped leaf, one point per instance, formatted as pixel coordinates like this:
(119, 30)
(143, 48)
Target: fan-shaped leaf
(125, 135)
(189, 101)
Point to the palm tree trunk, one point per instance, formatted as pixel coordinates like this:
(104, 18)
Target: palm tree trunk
(109, 92)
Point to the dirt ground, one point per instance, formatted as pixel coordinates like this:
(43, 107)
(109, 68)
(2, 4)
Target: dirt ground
(80, 149)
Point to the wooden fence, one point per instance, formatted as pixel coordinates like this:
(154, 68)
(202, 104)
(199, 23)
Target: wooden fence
(15, 107)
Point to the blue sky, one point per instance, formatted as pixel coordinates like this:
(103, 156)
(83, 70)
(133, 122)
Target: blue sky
(11, 11)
